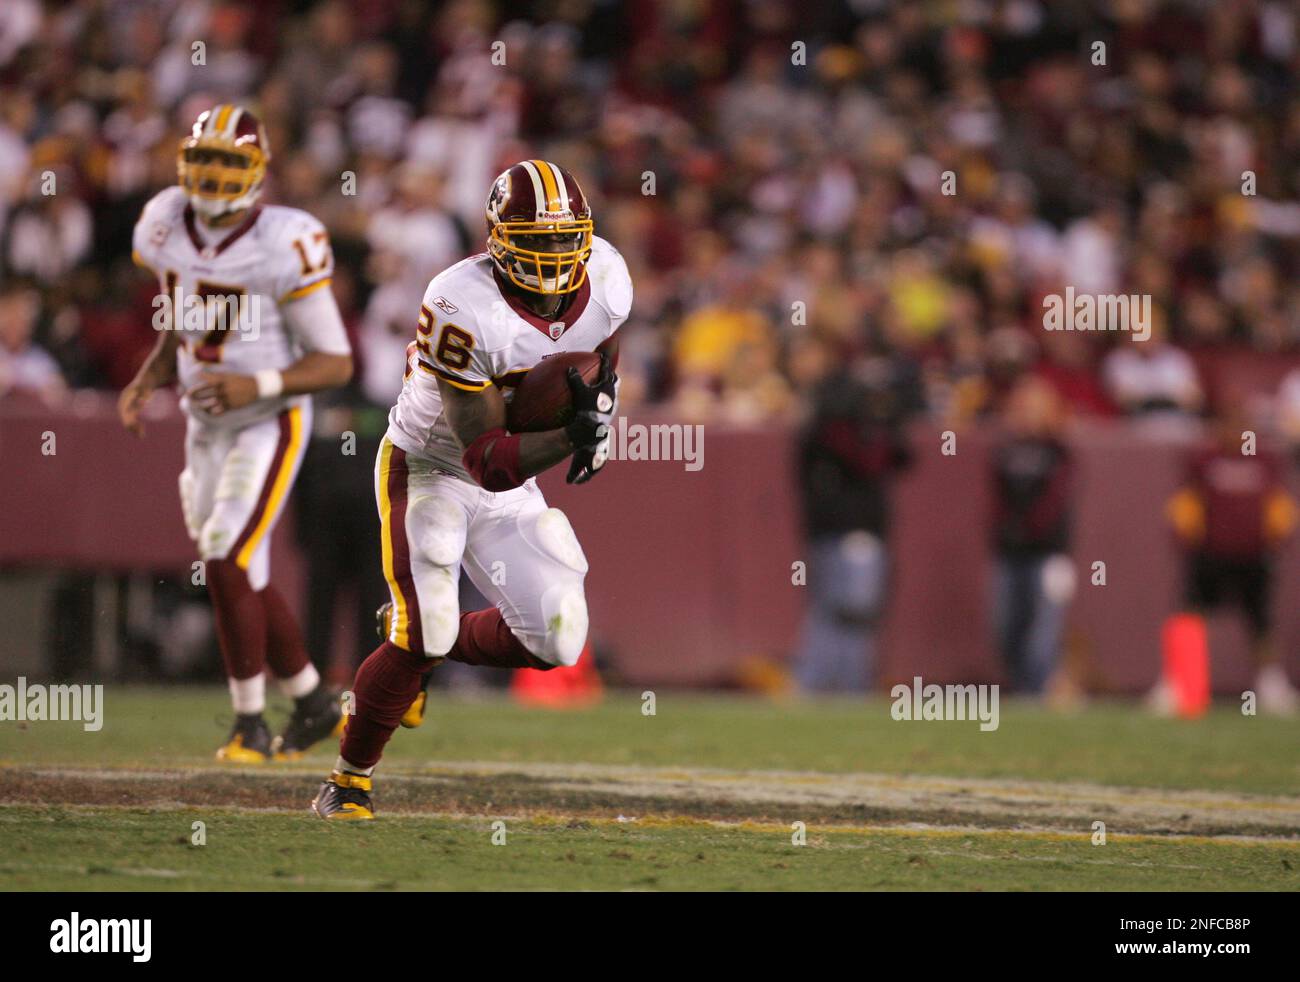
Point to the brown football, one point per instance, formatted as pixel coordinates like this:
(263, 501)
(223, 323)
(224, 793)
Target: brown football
(543, 401)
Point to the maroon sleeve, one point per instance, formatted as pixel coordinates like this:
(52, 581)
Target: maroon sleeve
(493, 460)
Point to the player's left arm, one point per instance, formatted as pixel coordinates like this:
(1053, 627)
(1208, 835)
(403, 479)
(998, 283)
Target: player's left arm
(497, 459)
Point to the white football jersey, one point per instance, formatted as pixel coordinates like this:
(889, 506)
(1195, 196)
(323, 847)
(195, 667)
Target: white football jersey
(274, 256)
(472, 335)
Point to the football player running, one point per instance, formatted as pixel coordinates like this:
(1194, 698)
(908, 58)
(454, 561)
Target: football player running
(456, 489)
(252, 330)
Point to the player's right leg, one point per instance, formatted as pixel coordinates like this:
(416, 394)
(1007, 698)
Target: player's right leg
(527, 562)
(414, 715)
(234, 489)
(424, 517)
(240, 621)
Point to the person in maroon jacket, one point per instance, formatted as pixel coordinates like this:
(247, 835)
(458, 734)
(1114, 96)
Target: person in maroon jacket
(1034, 579)
(1230, 515)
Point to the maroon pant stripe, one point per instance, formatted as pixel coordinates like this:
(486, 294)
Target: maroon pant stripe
(281, 448)
(398, 474)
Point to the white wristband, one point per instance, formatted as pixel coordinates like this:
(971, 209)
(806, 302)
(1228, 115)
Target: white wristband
(270, 383)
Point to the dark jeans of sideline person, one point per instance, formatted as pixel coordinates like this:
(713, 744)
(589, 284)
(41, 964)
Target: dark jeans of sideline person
(1031, 596)
(847, 578)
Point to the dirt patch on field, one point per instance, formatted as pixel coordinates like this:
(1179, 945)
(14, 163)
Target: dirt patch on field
(761, 796)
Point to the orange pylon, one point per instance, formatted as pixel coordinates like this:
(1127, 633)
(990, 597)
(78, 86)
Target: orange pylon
(1187, 663)
(560, 688)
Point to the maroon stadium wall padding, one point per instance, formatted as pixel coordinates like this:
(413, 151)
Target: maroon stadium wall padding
(691, 571)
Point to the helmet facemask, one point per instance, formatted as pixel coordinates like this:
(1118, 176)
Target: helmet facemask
(513, 247)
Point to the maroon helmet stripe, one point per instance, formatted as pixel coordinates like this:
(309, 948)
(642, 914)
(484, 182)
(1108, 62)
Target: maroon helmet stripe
(522, 206)
(577, 201)
(248, 125)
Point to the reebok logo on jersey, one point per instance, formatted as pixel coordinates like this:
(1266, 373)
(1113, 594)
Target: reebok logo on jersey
(445, 305)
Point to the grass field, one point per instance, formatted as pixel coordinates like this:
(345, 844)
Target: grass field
(705, 794)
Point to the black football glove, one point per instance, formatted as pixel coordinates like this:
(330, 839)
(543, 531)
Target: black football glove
(593, 407)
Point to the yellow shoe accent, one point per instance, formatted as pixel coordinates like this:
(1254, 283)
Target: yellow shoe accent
(350, 812)
(346, 780)
(344, 798)
(236, 753)
(414, 714)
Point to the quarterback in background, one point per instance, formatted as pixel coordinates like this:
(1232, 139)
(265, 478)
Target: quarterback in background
(252, 330)
(456, 488)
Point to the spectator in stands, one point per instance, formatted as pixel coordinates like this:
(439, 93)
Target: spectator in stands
(1069, 366)
(1152, 378)
(17, 120)
(849, 454)
(937, 171)
(50, 232)
(24, 365)
(1033, 488)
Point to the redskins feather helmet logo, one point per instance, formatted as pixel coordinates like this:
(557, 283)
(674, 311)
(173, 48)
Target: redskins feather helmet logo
(500, 195)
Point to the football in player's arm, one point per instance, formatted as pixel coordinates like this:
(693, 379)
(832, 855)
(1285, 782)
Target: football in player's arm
(500, 460)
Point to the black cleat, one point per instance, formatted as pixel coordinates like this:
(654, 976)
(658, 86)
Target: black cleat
(315, 716)
(344, 797)
(249, 741)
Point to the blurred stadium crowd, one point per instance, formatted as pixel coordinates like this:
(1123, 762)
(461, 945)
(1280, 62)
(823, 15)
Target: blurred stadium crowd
(797, 217)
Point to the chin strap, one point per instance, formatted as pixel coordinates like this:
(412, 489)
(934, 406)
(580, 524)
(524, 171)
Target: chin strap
(493, 460)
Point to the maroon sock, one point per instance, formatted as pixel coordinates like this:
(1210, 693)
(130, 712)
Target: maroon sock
(241, 619)
(286, 655)
(485, 639)
(386, 684)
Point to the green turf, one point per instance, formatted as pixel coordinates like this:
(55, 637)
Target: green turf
(555, 841)
(109, 849)
(1113, 743)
